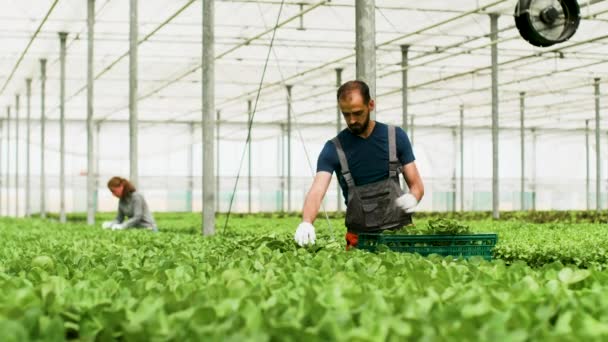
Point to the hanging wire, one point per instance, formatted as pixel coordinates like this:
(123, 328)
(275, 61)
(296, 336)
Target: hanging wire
(294, 116)
(250, 123)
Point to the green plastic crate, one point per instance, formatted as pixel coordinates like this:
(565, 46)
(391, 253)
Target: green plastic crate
(454, 245)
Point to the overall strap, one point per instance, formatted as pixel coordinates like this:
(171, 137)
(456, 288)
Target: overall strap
(344, 164)
(393, 163)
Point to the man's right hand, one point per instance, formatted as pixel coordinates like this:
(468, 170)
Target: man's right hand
(305, 234)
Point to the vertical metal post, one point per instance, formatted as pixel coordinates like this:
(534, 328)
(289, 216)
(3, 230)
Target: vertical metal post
(279, 194)
(133, 135)
(534, 186)
(17, 155)
(289, 148)
(522, 145)
(461, 157)
(90, 125)
(404, 92)
(412, 130)
(282, 162)
(404, 85)
(217, 167)
(587, 167)
(338, 130)
(365, 19)
(208, 90)
(495, 184)
(189, 205)
(1, 156)
(42, 138)
(62, 40)
(249, 118)
(301, 27)
(454, 139)
(28, 208)
(598, 168)
(97, 157)
(8, 161)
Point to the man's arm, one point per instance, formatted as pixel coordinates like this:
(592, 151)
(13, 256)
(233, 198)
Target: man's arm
(413, 180)
(315, 195)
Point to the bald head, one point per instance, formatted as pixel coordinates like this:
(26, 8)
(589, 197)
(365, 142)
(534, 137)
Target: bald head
(347, 89)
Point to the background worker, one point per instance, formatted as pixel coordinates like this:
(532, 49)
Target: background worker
(131, 204)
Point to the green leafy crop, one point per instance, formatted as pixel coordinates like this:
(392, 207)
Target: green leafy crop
(439, 225)
(253, 283)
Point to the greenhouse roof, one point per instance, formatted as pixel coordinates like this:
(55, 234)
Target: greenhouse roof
(449, 61)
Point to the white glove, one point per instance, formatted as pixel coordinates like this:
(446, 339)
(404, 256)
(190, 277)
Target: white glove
(305, 234)
(407, 202)
(118, 226)
(107, 224)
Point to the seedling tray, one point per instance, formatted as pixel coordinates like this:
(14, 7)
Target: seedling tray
(464, 246)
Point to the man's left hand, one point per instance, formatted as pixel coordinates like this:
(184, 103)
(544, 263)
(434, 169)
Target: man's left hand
(407, 203)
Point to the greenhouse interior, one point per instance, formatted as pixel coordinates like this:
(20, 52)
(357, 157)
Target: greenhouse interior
(211, 125)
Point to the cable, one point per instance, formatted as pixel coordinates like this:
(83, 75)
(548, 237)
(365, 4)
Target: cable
(10, 77)
(293, 114)
(250, 123)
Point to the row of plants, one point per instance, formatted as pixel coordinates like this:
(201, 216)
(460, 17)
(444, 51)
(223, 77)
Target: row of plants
(251, 282)
(552, 216)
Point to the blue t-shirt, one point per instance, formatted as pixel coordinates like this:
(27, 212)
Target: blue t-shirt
(367, 158)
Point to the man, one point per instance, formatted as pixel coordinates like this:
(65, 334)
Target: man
(367, 157)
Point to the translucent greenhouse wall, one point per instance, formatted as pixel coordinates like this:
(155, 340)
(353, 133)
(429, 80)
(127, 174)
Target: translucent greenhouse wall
(557, 178)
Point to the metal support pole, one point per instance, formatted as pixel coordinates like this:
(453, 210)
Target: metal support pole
(522, 145)
(62, 40)
(17, 155)
(8, 161)
(404, 93)
(454, 139)
(28, 208)
(338, 130)
(208, 90)
(598, 169)
(133, 36)
(404, 84)
(365, 19)
(289, 148)
(279, 194)
(42, 138)
(249, 115)
(587, 168)
(461, 158)
(97, 156)
(189, 205)
(412, 130)
(1, 156)
(495, 185)
(90, 125)
(217, 161)
(283, 136)
(301, 27)
(534, 187)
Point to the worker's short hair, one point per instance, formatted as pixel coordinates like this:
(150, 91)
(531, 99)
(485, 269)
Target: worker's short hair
(350, 86)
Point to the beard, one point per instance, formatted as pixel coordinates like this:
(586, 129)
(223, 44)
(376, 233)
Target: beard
(357, 128)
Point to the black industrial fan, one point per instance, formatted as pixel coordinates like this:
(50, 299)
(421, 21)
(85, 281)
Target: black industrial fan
(547, 22)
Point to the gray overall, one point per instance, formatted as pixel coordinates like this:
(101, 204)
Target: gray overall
(371, 207)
